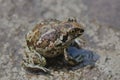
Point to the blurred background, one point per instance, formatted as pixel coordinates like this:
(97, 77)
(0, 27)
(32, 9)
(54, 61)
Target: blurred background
(101, 19)
(105, 11)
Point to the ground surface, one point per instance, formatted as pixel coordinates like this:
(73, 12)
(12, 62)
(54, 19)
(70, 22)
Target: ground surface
(17, 17)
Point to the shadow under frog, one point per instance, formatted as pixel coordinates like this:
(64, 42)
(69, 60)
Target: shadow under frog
(89, 57)
(58, 63)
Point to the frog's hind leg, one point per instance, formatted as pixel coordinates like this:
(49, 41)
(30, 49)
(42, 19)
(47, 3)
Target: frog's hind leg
(34, 62)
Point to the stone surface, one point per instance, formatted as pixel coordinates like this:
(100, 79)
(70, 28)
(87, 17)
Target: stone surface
(17, 17)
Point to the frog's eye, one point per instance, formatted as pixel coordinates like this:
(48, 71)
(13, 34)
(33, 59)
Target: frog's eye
(77, 30)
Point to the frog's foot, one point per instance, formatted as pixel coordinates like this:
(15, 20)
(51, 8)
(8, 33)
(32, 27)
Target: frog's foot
(73, 59)
(34, 62)
(34, 68)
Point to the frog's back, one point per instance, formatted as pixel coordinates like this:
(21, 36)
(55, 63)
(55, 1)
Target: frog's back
(50, 37)
(44, 38)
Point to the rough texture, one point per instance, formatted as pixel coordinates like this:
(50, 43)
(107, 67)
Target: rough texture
(17, 17)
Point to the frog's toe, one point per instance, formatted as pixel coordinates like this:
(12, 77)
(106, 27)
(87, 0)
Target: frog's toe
(35, 68)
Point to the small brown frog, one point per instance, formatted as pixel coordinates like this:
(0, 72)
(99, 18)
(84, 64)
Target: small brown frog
(49, 39)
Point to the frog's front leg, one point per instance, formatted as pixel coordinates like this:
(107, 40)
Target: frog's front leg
(72, 60)
(34, 62)
(79, 42)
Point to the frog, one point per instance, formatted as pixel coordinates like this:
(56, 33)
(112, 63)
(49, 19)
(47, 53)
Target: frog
(51, 38)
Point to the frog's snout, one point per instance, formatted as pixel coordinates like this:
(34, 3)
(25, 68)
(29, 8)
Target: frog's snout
(81, 30)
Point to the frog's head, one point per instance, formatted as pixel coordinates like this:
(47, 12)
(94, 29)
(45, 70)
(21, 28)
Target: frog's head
(75, 32)
(75, 29)
(72, 29)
